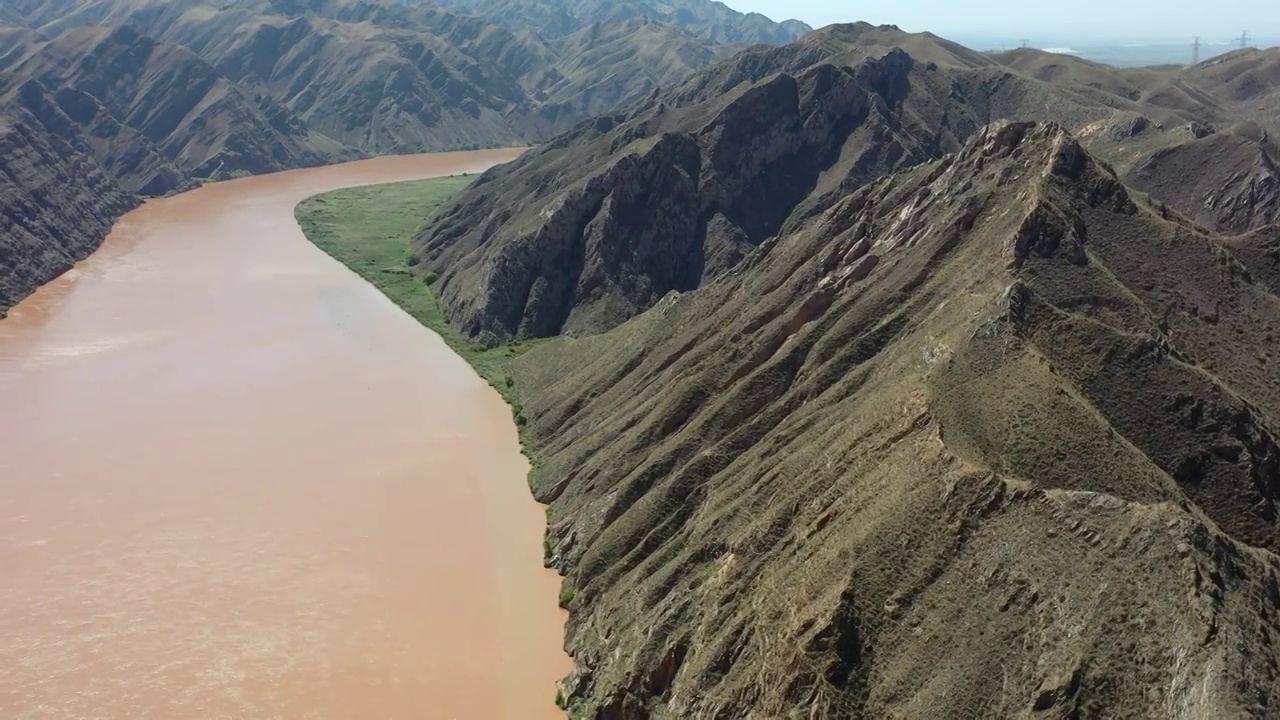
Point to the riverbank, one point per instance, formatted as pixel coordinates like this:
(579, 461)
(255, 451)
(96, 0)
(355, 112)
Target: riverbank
(369, 228)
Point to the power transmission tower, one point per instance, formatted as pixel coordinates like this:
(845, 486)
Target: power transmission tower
(1025, 43)
(1244, 39)
(1195, 51)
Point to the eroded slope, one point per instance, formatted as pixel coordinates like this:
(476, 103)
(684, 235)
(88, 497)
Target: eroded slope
(990, 437)
(57, 204)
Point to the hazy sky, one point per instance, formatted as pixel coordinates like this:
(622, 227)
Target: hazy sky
(1105, 19)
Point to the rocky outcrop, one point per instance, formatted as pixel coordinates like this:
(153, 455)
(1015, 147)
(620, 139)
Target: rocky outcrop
(993, 397)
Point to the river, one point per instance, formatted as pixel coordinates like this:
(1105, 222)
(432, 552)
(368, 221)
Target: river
(238, 482)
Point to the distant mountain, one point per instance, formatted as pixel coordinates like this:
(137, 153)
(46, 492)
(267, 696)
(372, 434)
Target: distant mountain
(660, 56)
(157, 94)
(383, 76)
(98, 116)
(154, 113)
(1202, 139)
(707, 19)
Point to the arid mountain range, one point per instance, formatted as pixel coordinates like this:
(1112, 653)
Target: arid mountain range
(712, 21)
(156, 94)
(678, 188)
(887, 378)
(896, 380)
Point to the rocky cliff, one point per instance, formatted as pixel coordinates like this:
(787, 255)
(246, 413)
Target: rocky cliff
(57, 202)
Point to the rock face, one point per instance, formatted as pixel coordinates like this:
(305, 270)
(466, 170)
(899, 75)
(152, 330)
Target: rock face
(989, 437)
(57, 204)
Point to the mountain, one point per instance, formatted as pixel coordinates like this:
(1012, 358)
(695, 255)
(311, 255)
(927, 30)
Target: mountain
(98, 116)
(878, 389)
(159, 94)
(661, 56)
(990, 437)
(707, 19)
(596, 226)
(1201, 139)
(389, 77)
(599, 225)
(1225, 179)
(154, 112)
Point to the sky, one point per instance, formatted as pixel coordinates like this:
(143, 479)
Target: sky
(1042, 23)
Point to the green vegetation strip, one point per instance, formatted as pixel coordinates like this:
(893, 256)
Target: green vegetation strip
(369, 229)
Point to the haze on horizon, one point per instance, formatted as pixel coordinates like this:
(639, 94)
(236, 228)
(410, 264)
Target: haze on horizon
(1100, 20)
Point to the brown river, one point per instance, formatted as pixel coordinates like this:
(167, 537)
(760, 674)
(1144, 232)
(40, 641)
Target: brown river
(238, 482)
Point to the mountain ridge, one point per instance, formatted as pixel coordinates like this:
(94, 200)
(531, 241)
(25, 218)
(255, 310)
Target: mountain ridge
(847, 478)
(161, 95)
(711, 20)
(496, 294)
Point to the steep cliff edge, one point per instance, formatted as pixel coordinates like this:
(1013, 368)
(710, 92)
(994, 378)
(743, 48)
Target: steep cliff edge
(989, 437)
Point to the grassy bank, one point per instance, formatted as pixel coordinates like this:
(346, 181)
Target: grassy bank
(369, 229)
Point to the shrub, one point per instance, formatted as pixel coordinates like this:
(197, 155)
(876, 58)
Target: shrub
(430, 278)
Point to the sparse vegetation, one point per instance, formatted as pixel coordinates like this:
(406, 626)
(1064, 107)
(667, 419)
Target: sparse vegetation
(566, 594)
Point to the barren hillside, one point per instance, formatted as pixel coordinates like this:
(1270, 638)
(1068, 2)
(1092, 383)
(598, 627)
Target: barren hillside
(991, 437)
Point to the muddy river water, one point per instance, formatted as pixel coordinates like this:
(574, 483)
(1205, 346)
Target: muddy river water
(238, 482)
